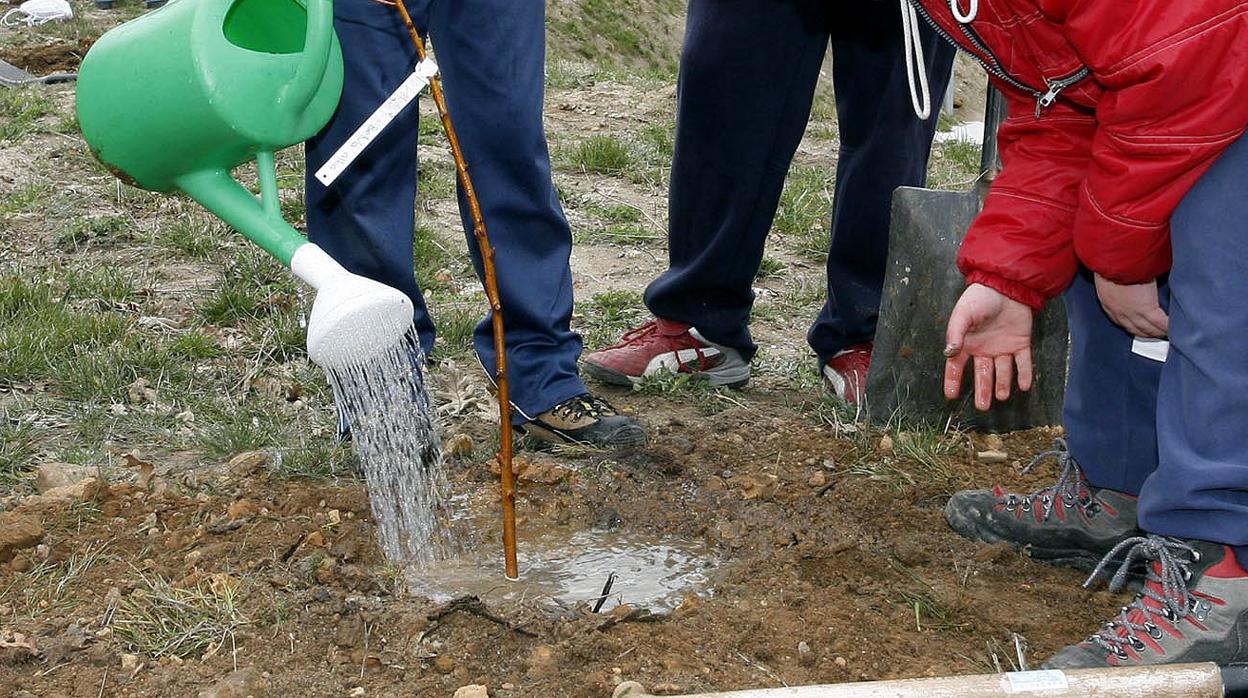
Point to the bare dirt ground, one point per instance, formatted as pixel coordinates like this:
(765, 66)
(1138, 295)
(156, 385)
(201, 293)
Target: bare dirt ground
(224, 542)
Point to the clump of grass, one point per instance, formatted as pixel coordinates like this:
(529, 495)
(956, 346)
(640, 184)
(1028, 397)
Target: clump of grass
(435, 180)
(601, 154)
(618, 213)
(86, 351)
(50, 586)
(20, 108)
(17, 445)
(192, 235)
(100, 230)
(954, 165)
(253, 287)
(455, 324)
(320, 458)
(804, 210)
(432, 256)
(24, 199)
(606, 316)
(161, 620)
(770, 267)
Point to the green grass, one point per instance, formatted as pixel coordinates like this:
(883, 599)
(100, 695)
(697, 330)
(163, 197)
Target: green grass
(17, 446)
(51, 587)
(102, 231)
(954, 165)
(804, 209)
(607, 316)
(435, 180)
(769, 268)
(56, 335)
(433, 257)
(254, 286)
(193, 236)
(455, 323)
(25, 198)
(20, 110)
(615, 34)
(606, 155)
(161, 620)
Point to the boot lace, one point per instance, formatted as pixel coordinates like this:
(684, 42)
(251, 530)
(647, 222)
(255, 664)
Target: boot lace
(1071, 488)
(1166, 585)
(582, 406)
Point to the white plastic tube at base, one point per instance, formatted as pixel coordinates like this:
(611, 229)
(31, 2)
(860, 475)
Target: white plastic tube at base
(1163, 681)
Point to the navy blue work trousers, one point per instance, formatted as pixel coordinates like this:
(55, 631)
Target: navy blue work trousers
(492, 55)
(748, 75)
(1175, 433)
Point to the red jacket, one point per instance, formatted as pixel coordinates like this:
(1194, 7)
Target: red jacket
(1093, 176)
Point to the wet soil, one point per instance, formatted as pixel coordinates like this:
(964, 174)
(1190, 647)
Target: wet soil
(819, 544)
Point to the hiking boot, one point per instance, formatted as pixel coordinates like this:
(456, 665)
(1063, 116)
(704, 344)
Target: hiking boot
(845, 374)
(1193, 608)
(661, 346)
(588, 420)
(1069, 523)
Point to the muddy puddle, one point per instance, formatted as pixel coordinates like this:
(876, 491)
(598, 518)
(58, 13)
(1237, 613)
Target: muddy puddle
(568, 568)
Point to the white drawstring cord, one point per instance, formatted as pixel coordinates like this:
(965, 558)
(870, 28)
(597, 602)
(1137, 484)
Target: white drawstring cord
(970, 15)
(920, 95)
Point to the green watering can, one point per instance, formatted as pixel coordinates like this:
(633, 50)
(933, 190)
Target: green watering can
(178, 98)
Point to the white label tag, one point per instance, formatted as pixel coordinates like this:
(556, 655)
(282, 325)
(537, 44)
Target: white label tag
(375, 124)
(1149, 348)
(1035, 681)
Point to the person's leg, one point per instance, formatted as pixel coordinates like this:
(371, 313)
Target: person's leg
(492, 56)
(1194, 506)
(365, 219)
(1200, 487)
(1111, 396)
(747, 80)
(883, 146)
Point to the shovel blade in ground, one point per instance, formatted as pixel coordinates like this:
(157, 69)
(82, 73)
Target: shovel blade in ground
(12, 76)
(922, 284)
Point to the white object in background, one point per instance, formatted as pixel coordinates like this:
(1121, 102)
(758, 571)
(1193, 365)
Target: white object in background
(970, 132)
(1149, 348)
(375, 124)
(32, 13)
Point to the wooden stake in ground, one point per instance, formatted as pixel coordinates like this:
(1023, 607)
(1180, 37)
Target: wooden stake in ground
(505, 452)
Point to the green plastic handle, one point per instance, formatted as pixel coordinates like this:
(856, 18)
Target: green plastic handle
(311, 71)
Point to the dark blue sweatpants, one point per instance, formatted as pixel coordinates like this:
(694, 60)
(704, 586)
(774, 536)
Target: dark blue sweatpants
(492, 55)
(1175, 433)
(747, 81)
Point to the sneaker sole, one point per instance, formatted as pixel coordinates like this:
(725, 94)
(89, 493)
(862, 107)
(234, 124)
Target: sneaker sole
(625, 437)
(1083, 560)
(734, 378)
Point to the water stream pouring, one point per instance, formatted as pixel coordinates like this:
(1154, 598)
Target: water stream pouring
(179, 97)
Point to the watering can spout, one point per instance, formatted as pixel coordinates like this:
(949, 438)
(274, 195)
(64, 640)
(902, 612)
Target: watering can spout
(316, 51)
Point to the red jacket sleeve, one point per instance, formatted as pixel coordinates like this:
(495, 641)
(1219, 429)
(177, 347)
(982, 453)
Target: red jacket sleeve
(1176, 95)
(1021, 243)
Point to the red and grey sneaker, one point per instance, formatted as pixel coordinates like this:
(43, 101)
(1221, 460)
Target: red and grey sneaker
(662, 346)
(1069, 523)
(845, 374)
(1193, 608)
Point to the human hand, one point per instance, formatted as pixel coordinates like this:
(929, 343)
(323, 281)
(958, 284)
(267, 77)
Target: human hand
(995, 331)
(1134, 307)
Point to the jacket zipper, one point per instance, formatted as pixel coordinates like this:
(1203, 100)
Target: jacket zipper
(1043, 99)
